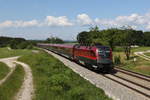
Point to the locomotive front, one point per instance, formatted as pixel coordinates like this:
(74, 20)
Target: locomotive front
(104, 58)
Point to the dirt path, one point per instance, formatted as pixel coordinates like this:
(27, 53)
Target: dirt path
(142, 55)
(26, 91)
(10, 64)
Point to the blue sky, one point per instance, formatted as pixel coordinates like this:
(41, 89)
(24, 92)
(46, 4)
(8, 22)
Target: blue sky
(39, 19)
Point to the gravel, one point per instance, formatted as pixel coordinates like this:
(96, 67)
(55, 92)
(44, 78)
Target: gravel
(111, 88)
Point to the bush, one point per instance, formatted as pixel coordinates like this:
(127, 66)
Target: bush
(20, 45)
(30, 46)
(60, 80)
(78, 93)
(117, 60)
(13, 44)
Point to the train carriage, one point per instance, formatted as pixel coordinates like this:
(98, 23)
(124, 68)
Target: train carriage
(66, 50)
(97, 56)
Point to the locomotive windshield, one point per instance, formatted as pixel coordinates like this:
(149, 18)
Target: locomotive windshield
(104, 52)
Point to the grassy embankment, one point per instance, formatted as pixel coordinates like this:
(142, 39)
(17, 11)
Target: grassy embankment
(11, 86)
(54, 81)
(4, 69)
(147, 54)
(140, 65)
(5, 52)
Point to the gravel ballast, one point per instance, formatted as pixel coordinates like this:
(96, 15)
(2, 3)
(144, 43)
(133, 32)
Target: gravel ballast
(111, 88)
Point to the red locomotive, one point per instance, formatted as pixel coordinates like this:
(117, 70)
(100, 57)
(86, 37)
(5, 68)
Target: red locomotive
(97, 56)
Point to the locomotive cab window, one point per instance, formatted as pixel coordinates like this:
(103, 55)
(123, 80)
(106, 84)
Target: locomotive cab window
(104, 52)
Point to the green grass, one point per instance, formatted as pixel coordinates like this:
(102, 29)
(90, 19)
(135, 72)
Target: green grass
(4, 69)
(140, 65)
(135, 49)
(147, 54)
(54, 81)
(118, 49)
(140, 49)
(4, 52)
(12, 85)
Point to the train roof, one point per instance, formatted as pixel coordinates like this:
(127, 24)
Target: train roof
(72, 45)
(57, 45)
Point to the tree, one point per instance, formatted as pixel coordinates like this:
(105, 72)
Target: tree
(146, 39)
(139, 36)
(126, 38)
(109, 37)
(84, 38)
(90, 37)
(54, 40)
(94, 29)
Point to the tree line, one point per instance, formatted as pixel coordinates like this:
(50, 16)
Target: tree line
(21, 43)
(124, 37)
(15, 43)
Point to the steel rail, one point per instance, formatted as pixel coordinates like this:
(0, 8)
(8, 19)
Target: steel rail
(132, 73)
(136, 90)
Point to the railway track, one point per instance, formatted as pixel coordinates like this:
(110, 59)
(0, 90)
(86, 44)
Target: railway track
(132, 73)
(135, 81)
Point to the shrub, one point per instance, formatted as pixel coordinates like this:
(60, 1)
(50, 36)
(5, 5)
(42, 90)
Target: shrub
(60, 80)
(30, 46)
(22, 45)
(117, 60)
(78, 93)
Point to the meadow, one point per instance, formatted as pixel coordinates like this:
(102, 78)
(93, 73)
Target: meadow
(3, 70)
(12, 85)
(52, 79)
(140, 65)
(55, 81)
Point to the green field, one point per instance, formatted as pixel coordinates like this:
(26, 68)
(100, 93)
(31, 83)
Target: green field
(147, 54)
(138, 49)
(135, 49)
(52, 79)
(11, 86)
(140, 65)
(5, 52)
(3, 70)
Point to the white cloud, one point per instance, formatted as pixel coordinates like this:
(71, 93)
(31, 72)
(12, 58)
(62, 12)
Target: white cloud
(6, 24)
(148, 26)
(84, 19)
(26, 23)
(106, 22)
(134, 20)
(19, 23)
(57, 21)
(48, 21)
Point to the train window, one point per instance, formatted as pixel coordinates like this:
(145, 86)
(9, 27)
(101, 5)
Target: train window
(104, 52)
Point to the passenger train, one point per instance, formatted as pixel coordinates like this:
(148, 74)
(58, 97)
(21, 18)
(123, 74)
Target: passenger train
(97, 57)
